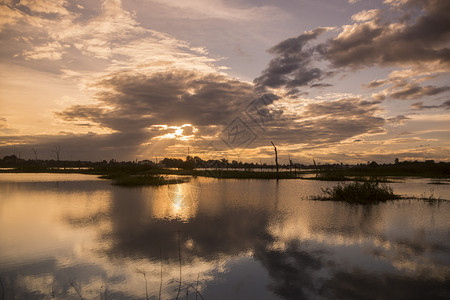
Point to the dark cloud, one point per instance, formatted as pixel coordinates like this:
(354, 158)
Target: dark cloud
(354, 48)
(347, 108)
(292, 67)
(415, 91)
(419, 40)
(421, 106)
(175, 97)
(321, 85)
(398, 120)
(324, 123)
(380, 41)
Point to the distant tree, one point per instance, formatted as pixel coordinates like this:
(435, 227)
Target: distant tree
(373, 164)
(10, 158)
(57, 151)
(224, 162)
(189, 164)
(172, 162)
(35, 153)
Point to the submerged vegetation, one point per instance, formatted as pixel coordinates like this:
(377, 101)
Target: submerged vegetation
(365, 192)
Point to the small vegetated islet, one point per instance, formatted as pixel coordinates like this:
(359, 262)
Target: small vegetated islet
(359, 192)
(124, 179)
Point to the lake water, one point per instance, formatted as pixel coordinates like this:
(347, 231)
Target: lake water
(73, 236)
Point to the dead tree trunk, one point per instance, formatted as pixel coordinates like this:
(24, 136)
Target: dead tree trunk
(315, 167)
(276, 157)
(35, 153)
(57, 151)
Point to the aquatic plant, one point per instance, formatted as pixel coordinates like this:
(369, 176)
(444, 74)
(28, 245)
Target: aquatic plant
(364, 192)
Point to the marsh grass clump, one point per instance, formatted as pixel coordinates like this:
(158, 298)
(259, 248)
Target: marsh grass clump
(365, 192)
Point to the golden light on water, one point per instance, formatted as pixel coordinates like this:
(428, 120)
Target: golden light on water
(180, 201)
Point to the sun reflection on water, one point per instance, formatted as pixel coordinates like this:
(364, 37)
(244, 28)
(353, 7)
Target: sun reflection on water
(179, 202)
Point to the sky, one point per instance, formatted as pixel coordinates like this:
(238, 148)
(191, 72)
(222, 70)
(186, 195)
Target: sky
(337, 81)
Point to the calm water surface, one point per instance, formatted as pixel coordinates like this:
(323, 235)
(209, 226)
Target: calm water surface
(75, 236)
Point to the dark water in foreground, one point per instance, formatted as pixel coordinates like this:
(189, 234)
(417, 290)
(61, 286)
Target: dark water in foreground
(75, 236)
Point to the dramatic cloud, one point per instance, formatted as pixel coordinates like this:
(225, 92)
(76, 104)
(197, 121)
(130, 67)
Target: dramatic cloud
(320, 124)
(293, 65)
(135, 101)
(418, 38)
(156, 104)
(378, 42)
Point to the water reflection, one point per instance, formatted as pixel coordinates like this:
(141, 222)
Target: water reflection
(237, 239)
(181, 202)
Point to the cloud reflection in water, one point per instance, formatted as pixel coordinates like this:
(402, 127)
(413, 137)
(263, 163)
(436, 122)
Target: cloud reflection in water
(239, 239)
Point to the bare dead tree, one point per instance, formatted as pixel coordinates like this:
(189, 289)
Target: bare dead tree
(276, 157)
(315, 167)
(57, 151)
(35, 153)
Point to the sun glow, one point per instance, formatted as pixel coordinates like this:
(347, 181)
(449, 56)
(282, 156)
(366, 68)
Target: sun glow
(184, 132)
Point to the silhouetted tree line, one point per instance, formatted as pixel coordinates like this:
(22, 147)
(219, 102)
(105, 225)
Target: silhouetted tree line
(194, 162)
(428, 167)
(12, 161)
